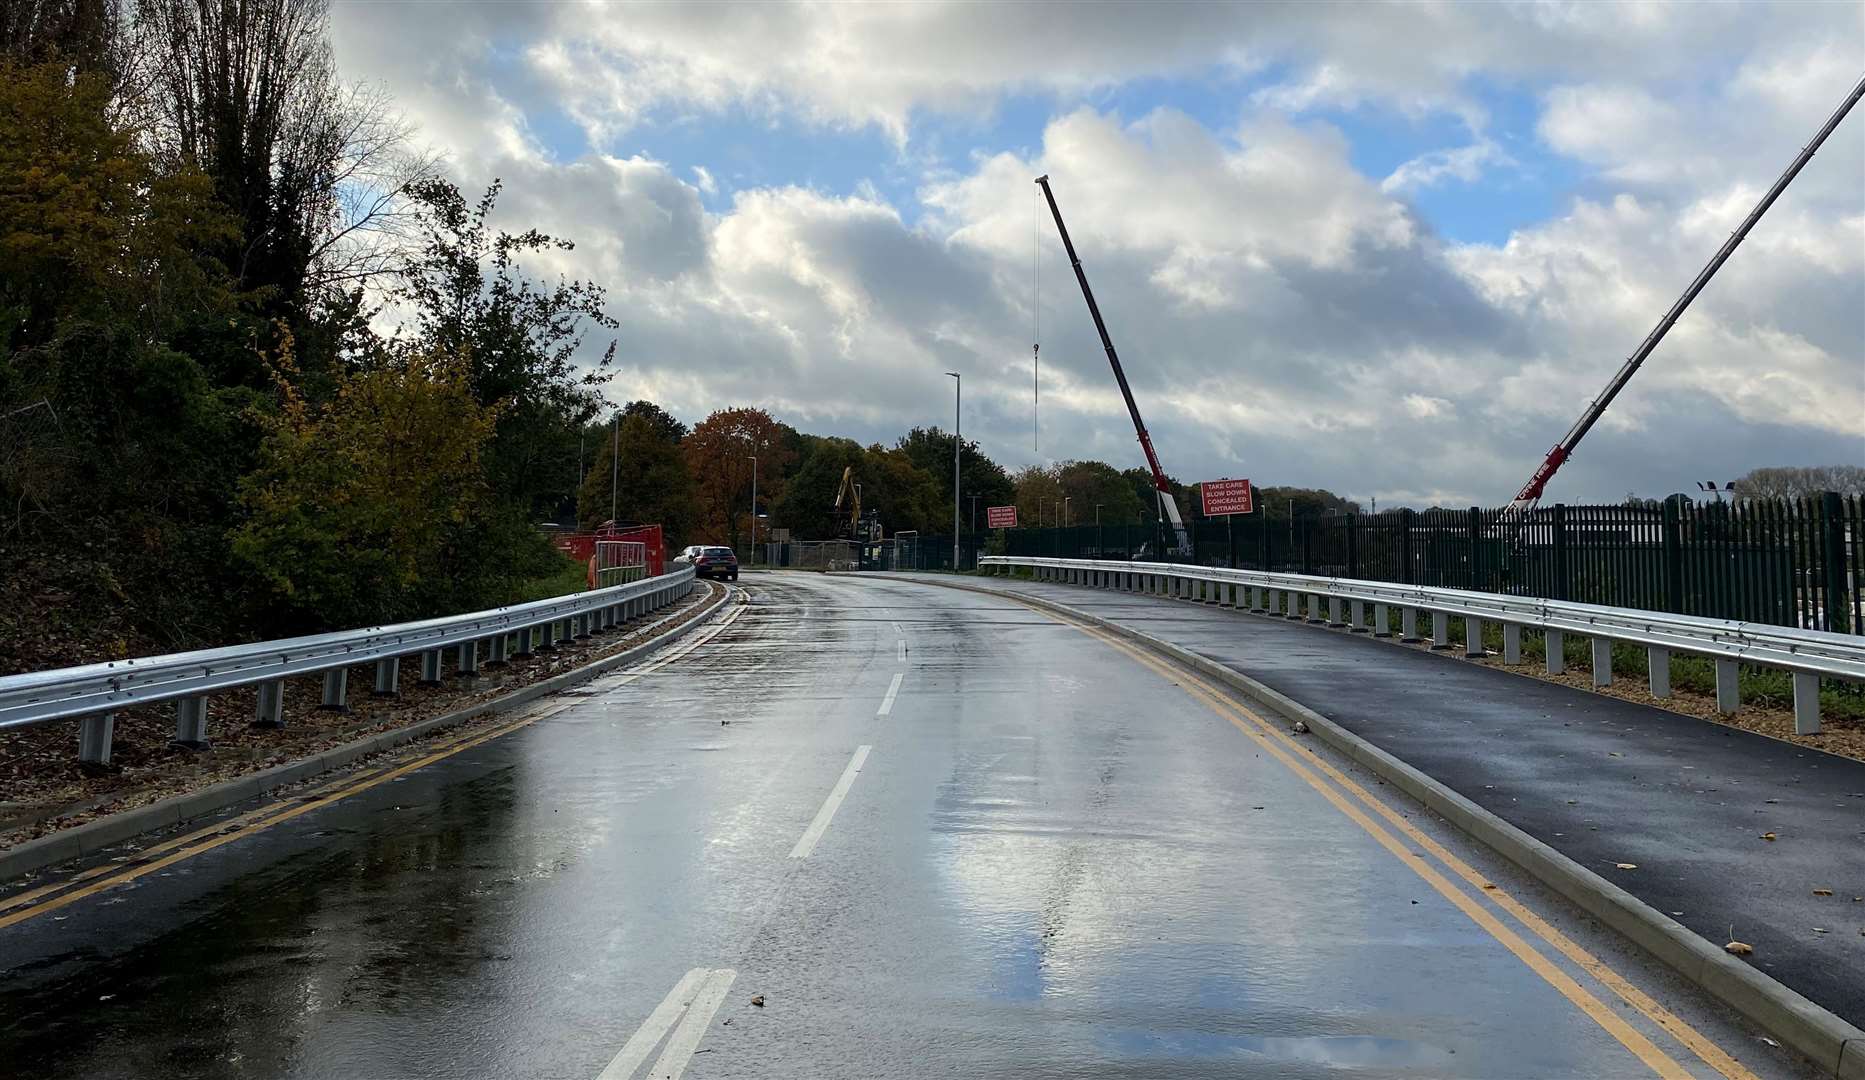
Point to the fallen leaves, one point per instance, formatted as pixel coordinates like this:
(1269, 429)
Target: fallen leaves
(1822, 892)
(757, 1001)
(1739, 948)
(1767, 836)
(1628, 866)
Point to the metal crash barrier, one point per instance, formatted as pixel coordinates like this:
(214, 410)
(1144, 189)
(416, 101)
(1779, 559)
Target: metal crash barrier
(92, 694)
(1345, 603)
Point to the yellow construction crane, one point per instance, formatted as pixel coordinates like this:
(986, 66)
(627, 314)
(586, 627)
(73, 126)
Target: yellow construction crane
(849, 493)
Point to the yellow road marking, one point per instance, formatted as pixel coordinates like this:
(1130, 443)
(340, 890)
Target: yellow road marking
(256, 821)
(1278, 743)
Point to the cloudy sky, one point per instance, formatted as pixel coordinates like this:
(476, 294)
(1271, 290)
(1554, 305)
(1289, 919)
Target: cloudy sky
(1390, 250)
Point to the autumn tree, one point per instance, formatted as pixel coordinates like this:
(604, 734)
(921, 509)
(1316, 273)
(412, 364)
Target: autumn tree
(355, 500)
(718, 454)
(647, 483)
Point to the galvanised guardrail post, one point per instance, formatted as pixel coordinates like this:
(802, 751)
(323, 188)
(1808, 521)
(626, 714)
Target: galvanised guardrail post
(92, 694)
(1807, 655)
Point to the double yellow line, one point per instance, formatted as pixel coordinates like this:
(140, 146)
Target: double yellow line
(62, 893)
(1362, 808)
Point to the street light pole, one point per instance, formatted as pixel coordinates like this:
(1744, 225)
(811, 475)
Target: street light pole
(754, 509)
(1066, 499)
(958, 441)
(615, 467)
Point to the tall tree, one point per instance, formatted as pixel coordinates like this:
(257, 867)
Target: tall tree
(807, 504)
(1088, 484)
(81, 36)
(315, 171)
(468, 294)
(718, 453)
(930, 449)
(1790, 482)
(648, 483)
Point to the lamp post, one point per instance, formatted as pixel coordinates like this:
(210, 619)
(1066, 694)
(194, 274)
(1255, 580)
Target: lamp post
(958, 440)
(754, 509)
(1066, 499)
(615, 466)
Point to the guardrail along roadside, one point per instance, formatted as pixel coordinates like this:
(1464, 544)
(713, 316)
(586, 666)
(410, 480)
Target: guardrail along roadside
(91, 694)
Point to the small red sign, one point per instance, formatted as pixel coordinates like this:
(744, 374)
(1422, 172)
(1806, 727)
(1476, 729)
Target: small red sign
(1000, 517)
(1223, 497)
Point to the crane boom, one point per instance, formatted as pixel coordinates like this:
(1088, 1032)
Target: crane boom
(1531, 491)
(1168, 506)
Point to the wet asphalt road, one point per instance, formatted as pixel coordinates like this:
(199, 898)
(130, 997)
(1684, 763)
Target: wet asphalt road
(1603, 780)
(936, 833)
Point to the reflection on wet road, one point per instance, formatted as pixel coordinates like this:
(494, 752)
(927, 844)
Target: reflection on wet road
(869, 828)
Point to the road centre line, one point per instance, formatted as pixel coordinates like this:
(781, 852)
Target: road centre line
(635, 1051)
(692, 1002)
(1285, 748)
(807, 843)
(255, 821)
(900, 645)
(893, 690)
(693, 1026)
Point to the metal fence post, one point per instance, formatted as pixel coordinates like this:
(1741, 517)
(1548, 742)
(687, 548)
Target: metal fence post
(1658, 663)
(1440, 630)
(388, 677)
(336, 690)
(1359, 616)
(94, 734)
(1602, 662)
(1473, 637)
(1833, 562)
(430, 668)
(1728, 687)
(1558, 541)
(468, 665)
(1474, 528)
(1408, 625)
(499, 646)
(270, 711)
(1511, 643)
(1554, 644)
(1405, 546)
(1382, 621)
(1806, 703)
(1334, 618)
(1673, 558)
(1353, 546)
(191, 723)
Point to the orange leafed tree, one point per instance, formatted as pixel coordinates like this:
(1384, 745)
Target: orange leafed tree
(718, 455)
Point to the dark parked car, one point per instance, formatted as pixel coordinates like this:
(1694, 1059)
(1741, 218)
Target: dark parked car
(716, 562)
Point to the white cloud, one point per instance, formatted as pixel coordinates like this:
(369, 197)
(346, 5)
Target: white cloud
(1282, 315)
(1464, 164)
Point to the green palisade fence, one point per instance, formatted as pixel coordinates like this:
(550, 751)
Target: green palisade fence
(1786, 562)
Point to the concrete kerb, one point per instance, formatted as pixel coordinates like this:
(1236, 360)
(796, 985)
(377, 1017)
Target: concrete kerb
(1834, 1045)
(93, 836)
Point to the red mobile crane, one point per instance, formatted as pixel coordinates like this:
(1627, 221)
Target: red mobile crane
(1530, 494)
(1168, 506)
